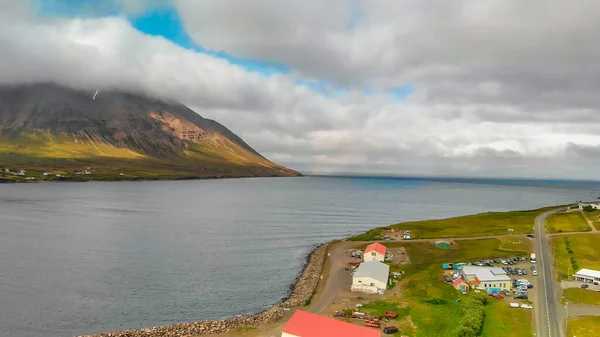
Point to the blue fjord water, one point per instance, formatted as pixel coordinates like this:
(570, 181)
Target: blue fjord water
(80, 258)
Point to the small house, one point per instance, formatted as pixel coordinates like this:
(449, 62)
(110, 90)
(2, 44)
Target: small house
(371, 277)
(460, 284)
(375, 252)
(304, 324)
(407, 235)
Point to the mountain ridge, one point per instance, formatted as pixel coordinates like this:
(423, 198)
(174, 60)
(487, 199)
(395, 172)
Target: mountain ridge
(46, 123)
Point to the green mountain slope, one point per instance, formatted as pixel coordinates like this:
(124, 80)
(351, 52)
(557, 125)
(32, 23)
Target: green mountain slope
(61, 131)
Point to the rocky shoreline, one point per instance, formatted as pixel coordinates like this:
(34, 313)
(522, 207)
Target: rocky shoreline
(302, 291)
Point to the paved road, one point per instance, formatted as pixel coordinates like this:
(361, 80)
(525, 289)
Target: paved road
(547, 320)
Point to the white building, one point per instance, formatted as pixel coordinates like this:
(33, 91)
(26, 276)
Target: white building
(485, 277)
(594, 206)
(587, 275)
(304, 324)
(407, 235)
(371, 277)
(374, 252)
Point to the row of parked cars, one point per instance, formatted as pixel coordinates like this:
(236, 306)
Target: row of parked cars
(515, 271)
(505, 261)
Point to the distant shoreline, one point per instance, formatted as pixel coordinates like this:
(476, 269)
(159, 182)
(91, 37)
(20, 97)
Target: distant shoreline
(140, 179)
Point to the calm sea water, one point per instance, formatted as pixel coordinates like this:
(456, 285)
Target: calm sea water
(81, 258)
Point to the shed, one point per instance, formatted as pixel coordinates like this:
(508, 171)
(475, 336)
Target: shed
(371, 277)
(304, 324)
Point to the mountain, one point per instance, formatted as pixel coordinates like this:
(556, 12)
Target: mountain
(59, 130)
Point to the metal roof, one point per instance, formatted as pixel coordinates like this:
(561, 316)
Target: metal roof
(375, 269)
(485, 273)
(588, 273)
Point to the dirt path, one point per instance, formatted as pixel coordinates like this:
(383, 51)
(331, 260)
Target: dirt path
(589, 222)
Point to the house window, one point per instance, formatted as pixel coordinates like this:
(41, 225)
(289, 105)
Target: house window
(373, 254)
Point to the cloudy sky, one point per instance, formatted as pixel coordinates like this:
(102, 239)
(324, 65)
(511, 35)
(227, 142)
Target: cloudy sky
(409, 87)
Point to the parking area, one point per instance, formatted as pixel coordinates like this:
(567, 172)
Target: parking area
(577, 284)
(523, 275)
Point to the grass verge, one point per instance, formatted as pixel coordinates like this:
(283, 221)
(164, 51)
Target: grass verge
(584, 326)
(583, 296)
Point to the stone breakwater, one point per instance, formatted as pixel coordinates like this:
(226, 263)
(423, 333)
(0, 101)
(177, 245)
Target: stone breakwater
(302, 291)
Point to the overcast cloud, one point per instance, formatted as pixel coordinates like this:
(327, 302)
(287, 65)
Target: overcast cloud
(501, 88)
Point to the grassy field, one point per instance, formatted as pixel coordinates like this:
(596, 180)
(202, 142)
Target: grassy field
(566, 222)
(514, 322)
(433, 306)
(491, 223)
(515, 244)
(584, 296)
(584, 253)
(584, 326)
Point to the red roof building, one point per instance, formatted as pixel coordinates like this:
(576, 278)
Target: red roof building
(304, 324)
(378, 247)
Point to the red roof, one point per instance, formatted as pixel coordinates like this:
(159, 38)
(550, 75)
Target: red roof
(304, 324)
(458, 281)
(378, 247)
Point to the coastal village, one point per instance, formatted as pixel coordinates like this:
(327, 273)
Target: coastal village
(17, 175)
(393, 283)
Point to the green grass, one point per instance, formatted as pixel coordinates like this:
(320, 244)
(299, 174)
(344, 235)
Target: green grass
(515, 244)
(379, 308)
(424, 286)
(583, 296)
(584, 326)
(503, 321)
(484, 224)
(585, 248)
(566, 222)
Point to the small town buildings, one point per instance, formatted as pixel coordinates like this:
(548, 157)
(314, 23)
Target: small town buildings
(587, 275)
(486, 277)
(582, 206)
(304, 324)
(460, 284)
(374, 252)
(371, 277)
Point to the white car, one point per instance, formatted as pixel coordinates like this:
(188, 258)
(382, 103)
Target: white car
(525, 306)
(514, 305)
(534, 273)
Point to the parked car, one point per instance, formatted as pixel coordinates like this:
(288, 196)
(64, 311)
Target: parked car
(514, 305)
(530, 235)
(464, 292)
(534, 273)
(506, 292)
(521, 296)
(524, 272)
(584, 286)
(530, 286)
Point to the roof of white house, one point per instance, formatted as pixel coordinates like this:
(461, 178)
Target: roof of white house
(588, 273)
(375, 269)
(484, 274)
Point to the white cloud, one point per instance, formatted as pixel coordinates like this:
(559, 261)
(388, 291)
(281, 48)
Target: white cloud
(502, 89)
